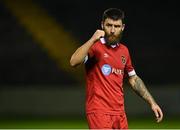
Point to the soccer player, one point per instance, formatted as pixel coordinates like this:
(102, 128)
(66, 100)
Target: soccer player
(107, 61)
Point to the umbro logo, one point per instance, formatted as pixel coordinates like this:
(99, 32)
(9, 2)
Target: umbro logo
(106, 55)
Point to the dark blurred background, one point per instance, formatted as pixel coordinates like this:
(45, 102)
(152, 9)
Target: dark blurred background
(38, 37)
(151, 35)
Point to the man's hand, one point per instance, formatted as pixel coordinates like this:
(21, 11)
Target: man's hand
(97, 35)
(158, 112)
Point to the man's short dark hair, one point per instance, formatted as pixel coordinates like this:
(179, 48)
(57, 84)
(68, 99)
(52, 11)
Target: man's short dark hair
(113, 13)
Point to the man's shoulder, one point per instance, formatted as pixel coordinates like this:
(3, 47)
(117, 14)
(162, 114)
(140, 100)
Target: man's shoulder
(123, 46)
(97, 43)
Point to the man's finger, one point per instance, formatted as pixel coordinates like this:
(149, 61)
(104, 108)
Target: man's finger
(156, 113)
(160, 115)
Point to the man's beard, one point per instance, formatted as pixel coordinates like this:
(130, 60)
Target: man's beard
(113, 39)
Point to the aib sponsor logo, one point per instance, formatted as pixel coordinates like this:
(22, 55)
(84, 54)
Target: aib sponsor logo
(107, 70)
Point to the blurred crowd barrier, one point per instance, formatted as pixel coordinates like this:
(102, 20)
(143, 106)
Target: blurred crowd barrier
(70, 101)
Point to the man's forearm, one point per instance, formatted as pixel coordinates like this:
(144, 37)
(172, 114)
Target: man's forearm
(80, 53)
(140, 88)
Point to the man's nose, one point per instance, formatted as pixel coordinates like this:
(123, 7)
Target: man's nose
(112, 29)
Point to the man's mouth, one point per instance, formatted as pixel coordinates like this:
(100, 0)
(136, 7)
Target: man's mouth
(112, 37)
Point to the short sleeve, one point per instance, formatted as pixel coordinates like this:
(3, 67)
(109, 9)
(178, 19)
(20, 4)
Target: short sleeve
(129, 67)
(91, 53)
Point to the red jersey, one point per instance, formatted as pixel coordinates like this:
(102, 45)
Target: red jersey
(105, 69)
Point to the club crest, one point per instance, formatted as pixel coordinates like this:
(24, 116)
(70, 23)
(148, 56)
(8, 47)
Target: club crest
(123, 59)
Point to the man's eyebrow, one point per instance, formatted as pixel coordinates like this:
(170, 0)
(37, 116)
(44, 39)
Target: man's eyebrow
(118, 25)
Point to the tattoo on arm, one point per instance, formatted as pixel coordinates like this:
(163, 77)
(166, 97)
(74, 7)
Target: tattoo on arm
(140, 88)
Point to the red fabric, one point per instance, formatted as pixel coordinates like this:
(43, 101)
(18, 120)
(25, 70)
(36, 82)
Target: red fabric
(106, 121)
(104, 78)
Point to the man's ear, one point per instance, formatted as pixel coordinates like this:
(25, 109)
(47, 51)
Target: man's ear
(123, 27)
(102, 25)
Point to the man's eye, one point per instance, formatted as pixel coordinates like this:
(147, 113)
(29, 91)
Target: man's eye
(109, 25)
(117, 26)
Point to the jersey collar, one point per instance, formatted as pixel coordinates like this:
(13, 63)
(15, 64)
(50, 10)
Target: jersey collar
(104, 42)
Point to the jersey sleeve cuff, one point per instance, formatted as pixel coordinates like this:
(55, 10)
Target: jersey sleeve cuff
(85, 59)
(131, 73)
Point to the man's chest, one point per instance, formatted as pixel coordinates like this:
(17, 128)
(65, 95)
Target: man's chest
(114, 57)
